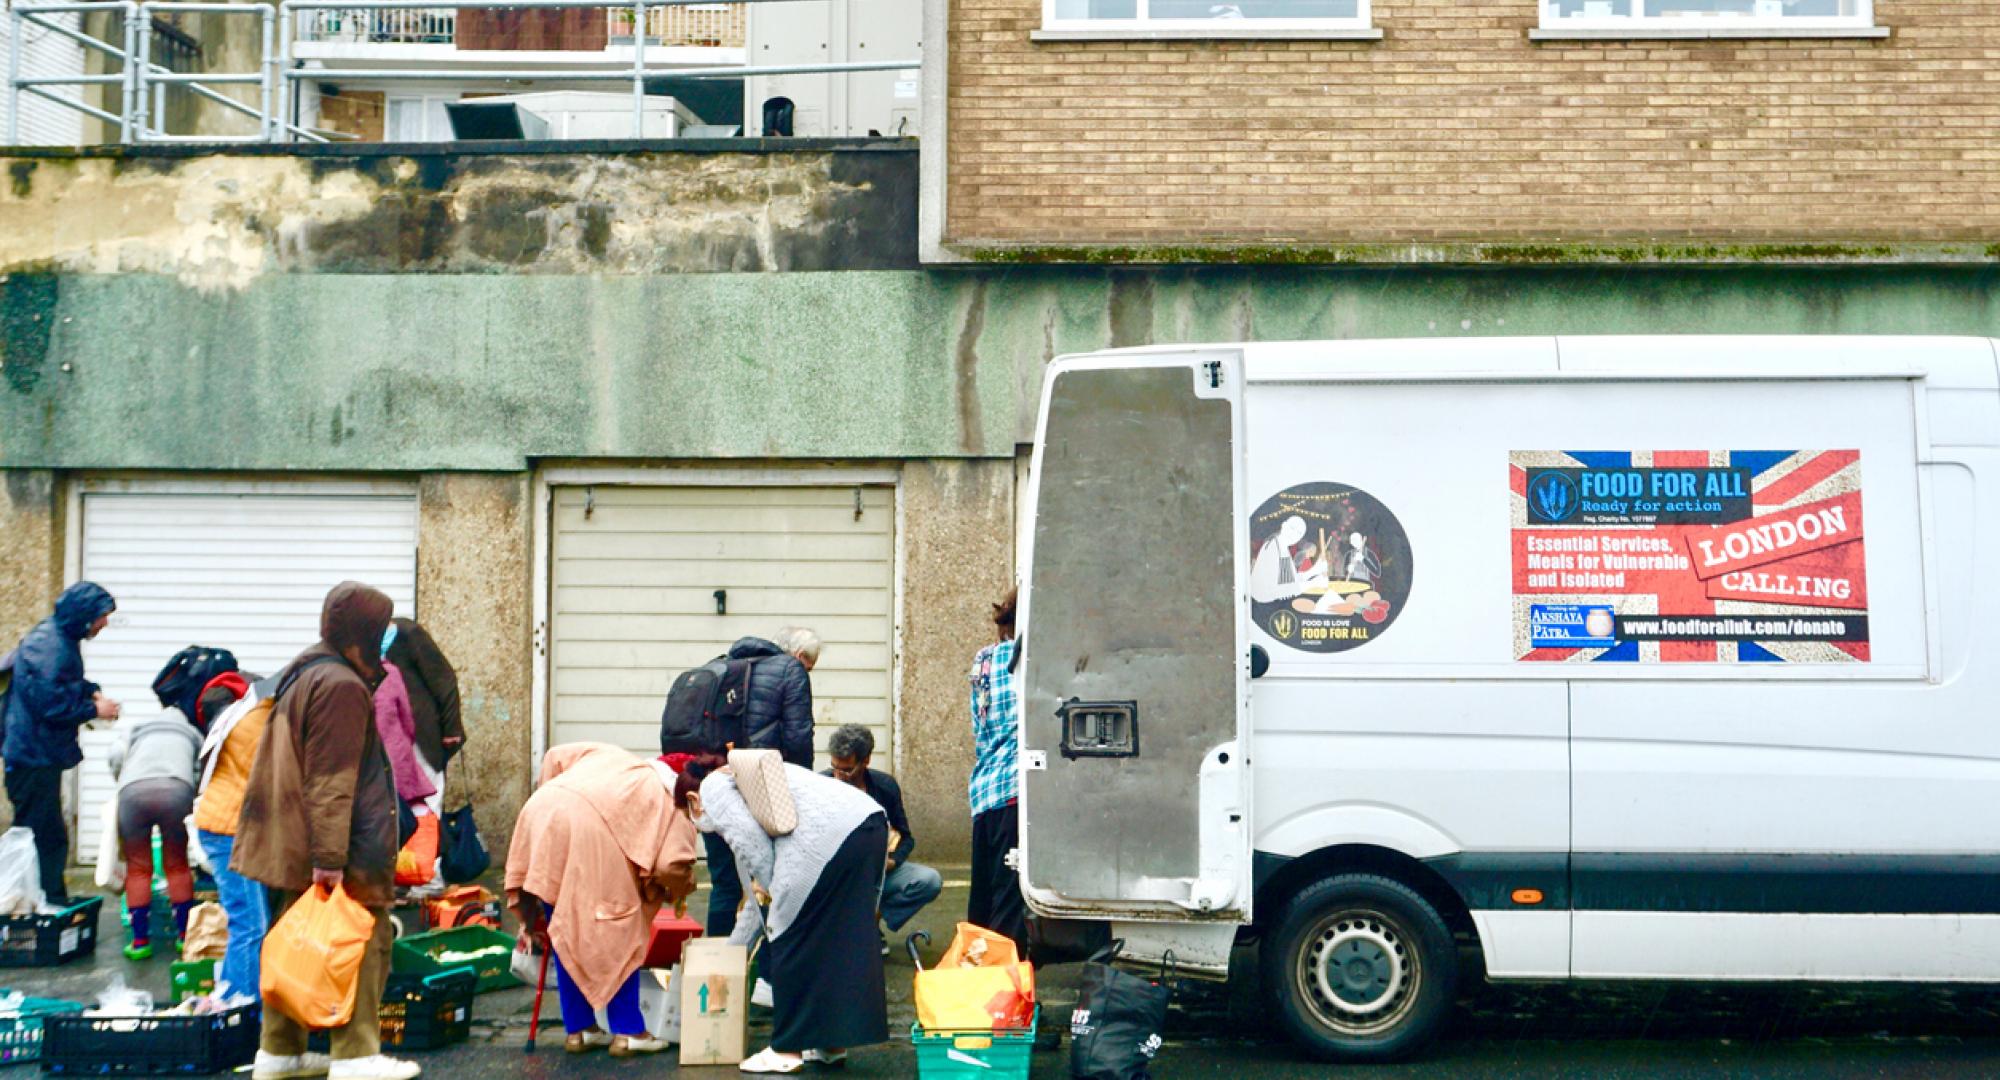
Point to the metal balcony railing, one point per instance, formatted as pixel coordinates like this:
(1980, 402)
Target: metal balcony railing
(693, 25)
(141, 80)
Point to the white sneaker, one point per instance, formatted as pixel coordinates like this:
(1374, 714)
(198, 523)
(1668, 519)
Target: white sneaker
(761, 995)
(379, 1067)
(279, 1067)
(768, 1060)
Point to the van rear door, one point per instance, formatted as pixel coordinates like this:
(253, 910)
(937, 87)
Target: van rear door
(1133, 710)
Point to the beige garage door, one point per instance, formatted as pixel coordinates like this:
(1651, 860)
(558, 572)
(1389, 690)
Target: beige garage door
(634, 582)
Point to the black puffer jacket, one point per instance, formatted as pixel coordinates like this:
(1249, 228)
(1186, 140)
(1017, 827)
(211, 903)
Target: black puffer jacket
(780, 713)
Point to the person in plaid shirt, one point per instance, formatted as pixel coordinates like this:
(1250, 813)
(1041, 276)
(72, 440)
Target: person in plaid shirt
(994, 788)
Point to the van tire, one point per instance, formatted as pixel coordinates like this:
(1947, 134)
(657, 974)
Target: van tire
(1394, 989)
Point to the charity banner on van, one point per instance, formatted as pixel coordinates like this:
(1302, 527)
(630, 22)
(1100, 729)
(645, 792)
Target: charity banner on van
(1689, 556)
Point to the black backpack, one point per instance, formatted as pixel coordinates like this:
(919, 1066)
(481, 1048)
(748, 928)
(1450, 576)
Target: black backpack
(179, 683)
(705, 707)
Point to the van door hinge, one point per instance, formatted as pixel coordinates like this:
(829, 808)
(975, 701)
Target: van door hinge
(1214, 374)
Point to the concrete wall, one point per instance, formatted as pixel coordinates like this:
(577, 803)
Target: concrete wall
(860, 365)
(473, 576)
(217, 221)
(958, 559)
(31, 550)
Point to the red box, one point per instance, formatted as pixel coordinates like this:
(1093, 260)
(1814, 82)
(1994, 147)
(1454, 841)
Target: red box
(670, 932)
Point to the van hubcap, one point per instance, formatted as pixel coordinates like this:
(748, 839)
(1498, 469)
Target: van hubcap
(1359, 972)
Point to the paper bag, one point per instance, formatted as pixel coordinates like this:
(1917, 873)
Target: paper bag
(715, 1002)
(207, 933)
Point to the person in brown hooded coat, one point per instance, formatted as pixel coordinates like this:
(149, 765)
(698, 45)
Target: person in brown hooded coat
(320, 810)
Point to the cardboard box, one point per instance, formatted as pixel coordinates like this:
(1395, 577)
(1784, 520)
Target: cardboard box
(715, 1002)
(660, 1002)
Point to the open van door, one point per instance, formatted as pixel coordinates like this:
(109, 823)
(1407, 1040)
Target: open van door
(1135, 646)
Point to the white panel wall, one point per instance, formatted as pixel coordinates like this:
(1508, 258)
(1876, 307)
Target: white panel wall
(242, 569)
(44, 53)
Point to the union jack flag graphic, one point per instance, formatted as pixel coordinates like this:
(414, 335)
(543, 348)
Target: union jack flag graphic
(1688, 556)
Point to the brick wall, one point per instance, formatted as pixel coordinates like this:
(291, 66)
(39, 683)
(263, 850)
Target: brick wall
(1457, 128)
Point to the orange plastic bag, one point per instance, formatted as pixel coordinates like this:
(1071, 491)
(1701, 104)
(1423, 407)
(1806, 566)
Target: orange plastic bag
(976, 999)
(998, 950)
(416, 864)
(312, 958)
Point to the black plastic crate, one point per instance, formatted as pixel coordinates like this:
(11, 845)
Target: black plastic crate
(48, 940)
(21, 1032)
(151, 1045)
(423, 1012)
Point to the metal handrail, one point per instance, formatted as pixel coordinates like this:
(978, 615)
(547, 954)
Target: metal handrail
(279, 76)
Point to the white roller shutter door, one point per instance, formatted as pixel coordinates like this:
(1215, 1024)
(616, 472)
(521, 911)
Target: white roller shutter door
(243, 567)
(634, 574)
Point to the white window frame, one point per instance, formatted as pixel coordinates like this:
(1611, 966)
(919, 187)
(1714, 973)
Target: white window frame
(1143, 26)
(1556, 26)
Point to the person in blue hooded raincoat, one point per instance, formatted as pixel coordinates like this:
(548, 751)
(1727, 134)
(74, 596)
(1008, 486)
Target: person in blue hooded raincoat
(47, 702)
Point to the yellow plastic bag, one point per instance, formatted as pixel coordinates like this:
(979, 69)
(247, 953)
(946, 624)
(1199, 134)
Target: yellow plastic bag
(312, 958)
(998, 950)
(976, 999)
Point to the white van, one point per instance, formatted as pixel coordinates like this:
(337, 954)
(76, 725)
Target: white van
(1536, 658)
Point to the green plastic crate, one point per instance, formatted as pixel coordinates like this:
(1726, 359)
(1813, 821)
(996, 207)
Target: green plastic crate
(192, 978)
(993, 1055)
(21, 1028)
(418, 954)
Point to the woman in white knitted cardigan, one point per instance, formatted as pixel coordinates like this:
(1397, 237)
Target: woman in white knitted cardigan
(818, 886)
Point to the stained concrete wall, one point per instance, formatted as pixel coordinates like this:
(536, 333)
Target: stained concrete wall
(219, 220)
(958, 559)
(473, 577)
(423, 372)
(31, 550)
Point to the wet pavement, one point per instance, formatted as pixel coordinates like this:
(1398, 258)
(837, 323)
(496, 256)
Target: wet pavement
(1585, 1030)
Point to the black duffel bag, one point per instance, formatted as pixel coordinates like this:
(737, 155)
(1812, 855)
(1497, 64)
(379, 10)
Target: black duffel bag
(1120, 1020)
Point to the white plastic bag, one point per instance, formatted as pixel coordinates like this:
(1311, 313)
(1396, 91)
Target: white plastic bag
(526, 964)
(110, 859)
(20, 873)
(118, 999)
(197, 855)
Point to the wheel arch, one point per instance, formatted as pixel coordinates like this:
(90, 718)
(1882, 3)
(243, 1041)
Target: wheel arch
(1287, 877)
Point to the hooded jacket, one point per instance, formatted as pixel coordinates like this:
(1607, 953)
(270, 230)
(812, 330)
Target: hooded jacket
(50, 699)
(779, 714)
(433, 686)
(320, 794)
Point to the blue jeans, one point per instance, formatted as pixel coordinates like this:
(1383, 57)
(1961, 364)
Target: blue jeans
(249, 914)
(906, 890)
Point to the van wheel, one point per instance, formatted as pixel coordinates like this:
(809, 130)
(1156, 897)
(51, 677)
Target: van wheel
(1361, 969)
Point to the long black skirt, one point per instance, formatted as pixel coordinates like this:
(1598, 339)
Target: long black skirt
(825, 970)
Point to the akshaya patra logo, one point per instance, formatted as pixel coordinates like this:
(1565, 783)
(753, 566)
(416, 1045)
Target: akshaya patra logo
(1553, 495)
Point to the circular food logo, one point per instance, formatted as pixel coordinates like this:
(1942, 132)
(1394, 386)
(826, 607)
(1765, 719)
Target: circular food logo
(1329, 567)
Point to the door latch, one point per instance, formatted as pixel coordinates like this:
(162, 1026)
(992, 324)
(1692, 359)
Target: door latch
(1099, 728)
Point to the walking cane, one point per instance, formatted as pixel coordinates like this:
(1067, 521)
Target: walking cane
(535, 1018)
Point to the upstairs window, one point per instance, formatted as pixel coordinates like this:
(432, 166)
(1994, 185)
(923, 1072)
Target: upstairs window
(1699, 16)
(1251, 17)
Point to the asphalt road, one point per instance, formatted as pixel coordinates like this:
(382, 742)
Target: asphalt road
(1589, 1030)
